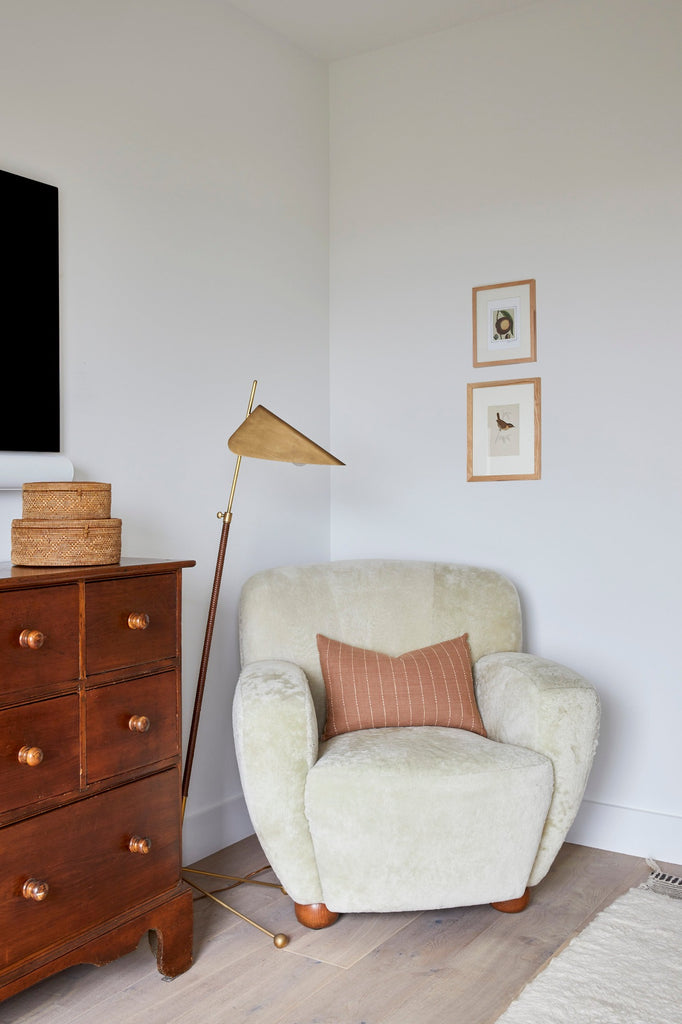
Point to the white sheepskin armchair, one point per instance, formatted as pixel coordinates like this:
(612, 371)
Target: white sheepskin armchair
(407, 817)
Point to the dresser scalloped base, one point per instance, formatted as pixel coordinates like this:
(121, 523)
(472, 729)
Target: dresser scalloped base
(170, 917)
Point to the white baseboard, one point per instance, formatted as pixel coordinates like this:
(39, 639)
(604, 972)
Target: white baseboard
(628, 830)
(214, 828)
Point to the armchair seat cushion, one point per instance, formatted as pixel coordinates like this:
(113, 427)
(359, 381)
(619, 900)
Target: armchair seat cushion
(391, 810)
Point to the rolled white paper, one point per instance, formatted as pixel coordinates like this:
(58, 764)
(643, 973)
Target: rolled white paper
(17, 468)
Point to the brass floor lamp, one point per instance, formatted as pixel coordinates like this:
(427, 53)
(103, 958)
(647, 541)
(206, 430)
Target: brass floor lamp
(262, 435)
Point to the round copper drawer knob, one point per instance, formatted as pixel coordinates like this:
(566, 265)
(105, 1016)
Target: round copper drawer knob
(139, 723)
(138, 620)
(31, 756)
(139, 844)
(32, 638)
(33, 889)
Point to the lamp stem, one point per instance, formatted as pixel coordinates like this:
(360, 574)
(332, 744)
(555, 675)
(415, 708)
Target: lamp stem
(210, 622)
(237, 467)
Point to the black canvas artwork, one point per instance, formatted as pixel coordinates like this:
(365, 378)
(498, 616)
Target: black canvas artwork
(29, 315)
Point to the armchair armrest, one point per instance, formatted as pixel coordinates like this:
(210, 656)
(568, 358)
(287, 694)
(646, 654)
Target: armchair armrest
(535, 703)
(276, 740)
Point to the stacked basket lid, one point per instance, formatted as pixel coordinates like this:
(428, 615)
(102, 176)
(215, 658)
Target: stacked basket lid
(66, 524)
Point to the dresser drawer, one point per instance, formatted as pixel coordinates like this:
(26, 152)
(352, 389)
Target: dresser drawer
(131, 724)
(130, 621)
(39, 751)
(83, 854)
(38, 639)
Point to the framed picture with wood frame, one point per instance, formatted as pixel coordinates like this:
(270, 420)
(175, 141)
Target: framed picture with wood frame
(503, 430)
(504, 323)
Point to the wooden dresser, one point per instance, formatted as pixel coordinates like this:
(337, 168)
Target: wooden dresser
(90, 826)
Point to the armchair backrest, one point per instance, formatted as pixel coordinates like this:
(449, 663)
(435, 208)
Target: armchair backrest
(384, 605)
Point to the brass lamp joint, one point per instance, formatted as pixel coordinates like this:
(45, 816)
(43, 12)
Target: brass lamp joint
(227, 516)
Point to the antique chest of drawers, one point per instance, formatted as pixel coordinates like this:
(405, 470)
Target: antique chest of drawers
(90, 829)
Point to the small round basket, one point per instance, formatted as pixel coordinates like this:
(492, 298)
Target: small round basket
(80, 500)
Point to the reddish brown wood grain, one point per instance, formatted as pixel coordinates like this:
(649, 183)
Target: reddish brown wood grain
(315, 915)
(513, 906)
(26, 670)
(111, 641)
(112, 746)
(51, 726)
(90, 768)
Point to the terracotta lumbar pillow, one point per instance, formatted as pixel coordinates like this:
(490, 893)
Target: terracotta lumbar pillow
(368, 690)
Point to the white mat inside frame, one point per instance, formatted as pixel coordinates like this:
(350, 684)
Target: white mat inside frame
(624, 968)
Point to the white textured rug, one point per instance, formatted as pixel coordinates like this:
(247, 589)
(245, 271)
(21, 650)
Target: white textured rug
(624, 968)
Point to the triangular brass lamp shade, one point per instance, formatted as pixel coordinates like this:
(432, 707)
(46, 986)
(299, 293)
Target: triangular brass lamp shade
(263, 435)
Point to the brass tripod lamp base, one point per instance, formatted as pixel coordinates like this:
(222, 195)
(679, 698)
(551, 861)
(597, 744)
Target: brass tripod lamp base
(280, 940)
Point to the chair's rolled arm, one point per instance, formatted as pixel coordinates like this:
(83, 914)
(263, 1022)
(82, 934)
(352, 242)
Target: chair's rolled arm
(276, 740)
(535, 703)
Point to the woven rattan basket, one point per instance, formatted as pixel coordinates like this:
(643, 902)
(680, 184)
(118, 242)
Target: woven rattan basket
(81, 500)
(66, 541)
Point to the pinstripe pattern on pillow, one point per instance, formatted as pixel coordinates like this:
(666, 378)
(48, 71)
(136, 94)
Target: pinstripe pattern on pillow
(369, 690)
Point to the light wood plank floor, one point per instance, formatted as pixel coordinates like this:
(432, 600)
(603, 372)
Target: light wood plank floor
(463, 965)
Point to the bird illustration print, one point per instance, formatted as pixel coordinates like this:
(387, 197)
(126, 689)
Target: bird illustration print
(503, 425)
(504, 431)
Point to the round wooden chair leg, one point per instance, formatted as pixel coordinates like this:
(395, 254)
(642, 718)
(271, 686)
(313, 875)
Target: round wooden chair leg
(314, 915)
(513, 906)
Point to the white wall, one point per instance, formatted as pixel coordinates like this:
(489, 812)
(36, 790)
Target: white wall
(543, 144)
(190, 148)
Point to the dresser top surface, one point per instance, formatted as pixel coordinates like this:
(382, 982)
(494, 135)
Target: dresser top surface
(12, 576)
